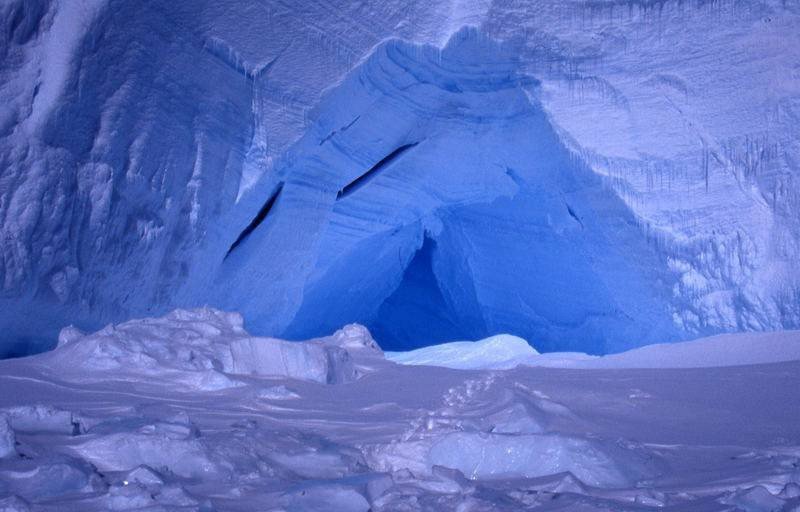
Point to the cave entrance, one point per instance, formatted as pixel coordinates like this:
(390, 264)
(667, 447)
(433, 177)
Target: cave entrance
(417, 313)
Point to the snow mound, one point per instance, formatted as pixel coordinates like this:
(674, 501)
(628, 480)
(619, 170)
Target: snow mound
(492, 455)
(500, 352)
(486, 435)
(202, 347)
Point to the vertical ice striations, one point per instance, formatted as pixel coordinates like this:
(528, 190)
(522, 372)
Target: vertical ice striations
(125, 127)
(691, 110)
(109, 182)
(432, 200)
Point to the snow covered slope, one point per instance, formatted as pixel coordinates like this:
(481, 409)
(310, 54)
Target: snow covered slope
(505, 352)
(150, 155)
(721, 350)
(410, 438)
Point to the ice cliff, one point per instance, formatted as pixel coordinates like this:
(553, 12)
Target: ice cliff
(587, 175)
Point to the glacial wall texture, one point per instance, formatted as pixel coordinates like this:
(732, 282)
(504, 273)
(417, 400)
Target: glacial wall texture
(587, 175)
(432, 199)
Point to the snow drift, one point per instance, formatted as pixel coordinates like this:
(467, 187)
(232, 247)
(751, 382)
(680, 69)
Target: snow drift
(505, 352)
(501, 352)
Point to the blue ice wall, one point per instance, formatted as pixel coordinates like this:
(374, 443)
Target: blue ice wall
(288, 161)
(116, 154)
(432, 200)
(418, 312)
(429, 199)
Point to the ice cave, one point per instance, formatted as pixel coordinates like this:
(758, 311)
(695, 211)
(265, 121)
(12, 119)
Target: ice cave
(467, 255)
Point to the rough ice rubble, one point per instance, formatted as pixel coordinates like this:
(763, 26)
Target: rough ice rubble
(42, 418)
(416, 438)
(157, 444)
(755, 499)
(490, 455)
(488, 437)
(205, 346)
(482, 455)
(6, 437)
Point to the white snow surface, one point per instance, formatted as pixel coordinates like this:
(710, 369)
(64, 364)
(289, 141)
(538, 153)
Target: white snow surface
(721, 350)
(111, 434)
(505, 351)
(500, 352)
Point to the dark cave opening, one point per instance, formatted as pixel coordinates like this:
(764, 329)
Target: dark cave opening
(417, 313)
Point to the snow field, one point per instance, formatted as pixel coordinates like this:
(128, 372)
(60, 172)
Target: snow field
(133, 430)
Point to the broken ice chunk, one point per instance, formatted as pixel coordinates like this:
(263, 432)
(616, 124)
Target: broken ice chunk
(7, 439)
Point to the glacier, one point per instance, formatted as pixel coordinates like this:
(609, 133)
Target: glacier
(414, 238)
(246, 246)
(384, 255)
(590, 176)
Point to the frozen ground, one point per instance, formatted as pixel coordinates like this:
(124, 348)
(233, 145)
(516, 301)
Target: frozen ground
(91, 426)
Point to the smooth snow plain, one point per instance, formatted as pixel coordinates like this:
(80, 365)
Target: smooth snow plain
(189, 412)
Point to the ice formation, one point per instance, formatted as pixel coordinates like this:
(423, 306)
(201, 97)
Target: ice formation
(203, 346)
(600, 179)
(587, 175)
(81, 432)
(7, 447)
